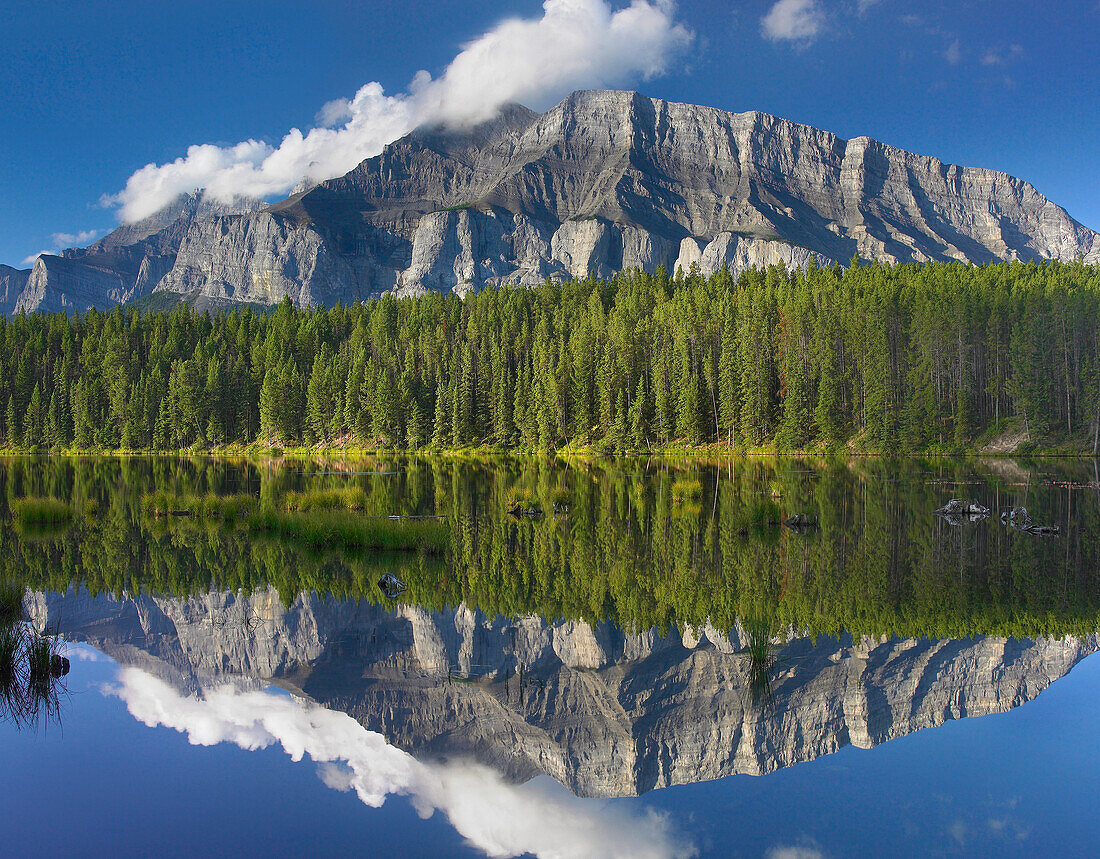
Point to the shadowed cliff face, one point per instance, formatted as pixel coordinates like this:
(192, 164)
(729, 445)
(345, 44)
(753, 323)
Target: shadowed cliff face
(603, 711)
(604, 181)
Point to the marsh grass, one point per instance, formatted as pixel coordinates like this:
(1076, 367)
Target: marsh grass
(686, 490)
(228, 508)
(320, 530)
(759, 516)
(44, 686)
(13, 670)
(11, 604)
(351, 498)
(560, 496)
(761, 659)
(522, 501)
(41, 511)
(522, 496)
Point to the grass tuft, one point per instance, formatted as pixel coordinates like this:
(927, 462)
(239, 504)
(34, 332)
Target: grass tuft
(229, 508)
(686, 490)
(337, 528)
(352, 498)
(41, 511)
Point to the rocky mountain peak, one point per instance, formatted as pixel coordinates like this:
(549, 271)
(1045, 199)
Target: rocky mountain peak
(604, 181)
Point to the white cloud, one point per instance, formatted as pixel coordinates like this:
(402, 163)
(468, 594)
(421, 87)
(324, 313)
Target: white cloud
(864, 5)
(72, 240)
(795, 852)
(575, 44)
(953, 53)
(994, 57)
(499, 818)
(793, 20)
(60, 241)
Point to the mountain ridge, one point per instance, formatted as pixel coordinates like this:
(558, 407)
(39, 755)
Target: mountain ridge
(603, 181)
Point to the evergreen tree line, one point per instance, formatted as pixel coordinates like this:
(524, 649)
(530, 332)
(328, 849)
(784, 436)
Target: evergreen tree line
(913, 357)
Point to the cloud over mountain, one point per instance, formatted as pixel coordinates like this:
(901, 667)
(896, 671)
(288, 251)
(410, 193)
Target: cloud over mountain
(575, 44)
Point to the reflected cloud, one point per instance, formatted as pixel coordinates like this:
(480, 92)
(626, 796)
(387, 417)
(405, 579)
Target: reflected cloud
(795, 852)
(497, 817)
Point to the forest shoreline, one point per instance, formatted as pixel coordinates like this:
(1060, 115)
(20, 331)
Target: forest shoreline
(719, 452)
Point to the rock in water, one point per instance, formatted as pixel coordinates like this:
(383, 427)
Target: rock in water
(1017, 518)
(391, 586)
(958, 512)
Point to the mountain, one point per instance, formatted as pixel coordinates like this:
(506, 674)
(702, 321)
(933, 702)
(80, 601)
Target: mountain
(603, 711)
(601, 182)
(124, 265)
(12, 282)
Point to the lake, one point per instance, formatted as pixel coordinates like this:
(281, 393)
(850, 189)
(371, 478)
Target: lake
(614, 657)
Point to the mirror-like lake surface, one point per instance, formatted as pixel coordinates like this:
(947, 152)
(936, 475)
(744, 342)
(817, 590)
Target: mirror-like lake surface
(532, 656)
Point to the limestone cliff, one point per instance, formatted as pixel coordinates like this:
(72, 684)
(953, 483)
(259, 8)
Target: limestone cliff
(614, 180)
(124, 265)
(602, 182)
(12, 281)
(604, 712)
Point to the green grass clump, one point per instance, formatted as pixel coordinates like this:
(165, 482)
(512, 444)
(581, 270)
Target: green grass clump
(761, 514)
(352, 498)
(209, 506)
(686, 490)
(13, 640)
(522, 495)
(11, 604)
(560, 496)
(522, 500)
(336, 528)
(41, 511)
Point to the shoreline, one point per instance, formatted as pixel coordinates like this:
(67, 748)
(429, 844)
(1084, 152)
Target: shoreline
(587, 453)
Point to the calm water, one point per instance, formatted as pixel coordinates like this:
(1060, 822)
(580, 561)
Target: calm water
(612, 658)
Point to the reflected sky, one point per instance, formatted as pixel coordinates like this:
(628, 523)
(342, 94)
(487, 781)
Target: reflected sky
(498, 818)
(137, 768)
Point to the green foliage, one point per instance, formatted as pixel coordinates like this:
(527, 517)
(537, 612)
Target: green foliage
(41, 511)
(686, 490)
(910, 357)
(207, 506)
(324, 530)
(878, 562)
(350, 498)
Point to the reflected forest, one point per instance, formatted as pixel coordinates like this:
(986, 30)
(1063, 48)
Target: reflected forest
(812, 546)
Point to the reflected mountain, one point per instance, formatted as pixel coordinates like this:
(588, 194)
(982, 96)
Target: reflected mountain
(604, 711)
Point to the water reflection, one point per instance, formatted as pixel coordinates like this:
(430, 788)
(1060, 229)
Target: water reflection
(602, 711)
(615, 627)
(500, 818)
(659, 547)
(32, 667)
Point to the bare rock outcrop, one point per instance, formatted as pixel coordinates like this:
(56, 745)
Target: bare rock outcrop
(12, 282)
(602, 182)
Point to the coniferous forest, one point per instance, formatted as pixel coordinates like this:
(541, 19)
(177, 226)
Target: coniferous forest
(935, 357)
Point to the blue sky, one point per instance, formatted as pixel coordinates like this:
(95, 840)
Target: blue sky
(95, 91)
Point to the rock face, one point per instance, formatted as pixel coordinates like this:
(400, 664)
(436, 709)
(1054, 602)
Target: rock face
(12, 281)
(605, 181)
(604, 712)
(124, 265)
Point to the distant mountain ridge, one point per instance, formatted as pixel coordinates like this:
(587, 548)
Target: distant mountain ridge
(602, 182)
